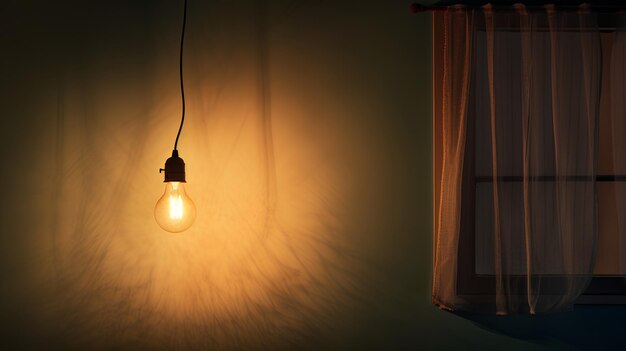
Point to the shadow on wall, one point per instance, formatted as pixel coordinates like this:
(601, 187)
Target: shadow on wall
(296, 148)
(264, 266)
(587, 327)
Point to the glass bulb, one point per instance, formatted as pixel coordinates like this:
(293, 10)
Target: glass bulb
(175, 212)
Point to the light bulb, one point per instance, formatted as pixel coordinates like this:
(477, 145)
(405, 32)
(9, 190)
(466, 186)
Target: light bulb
(175, 212)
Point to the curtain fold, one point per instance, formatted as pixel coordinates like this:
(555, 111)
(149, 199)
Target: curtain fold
(522, 165)
(459, 29)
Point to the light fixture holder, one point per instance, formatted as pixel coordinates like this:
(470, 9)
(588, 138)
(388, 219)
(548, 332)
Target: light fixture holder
(174, 169)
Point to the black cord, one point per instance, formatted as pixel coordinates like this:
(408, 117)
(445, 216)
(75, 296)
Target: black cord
(182, 87)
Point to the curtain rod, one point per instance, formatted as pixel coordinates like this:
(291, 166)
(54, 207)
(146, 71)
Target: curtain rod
(604, 7)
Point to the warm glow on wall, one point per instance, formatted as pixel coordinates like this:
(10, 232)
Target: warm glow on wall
(287, 230)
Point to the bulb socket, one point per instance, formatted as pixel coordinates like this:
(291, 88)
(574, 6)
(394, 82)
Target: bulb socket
(174, 169)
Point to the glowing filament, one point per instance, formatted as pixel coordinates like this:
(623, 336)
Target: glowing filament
(176, 207)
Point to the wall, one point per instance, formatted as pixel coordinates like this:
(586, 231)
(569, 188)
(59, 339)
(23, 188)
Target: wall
(308, 145)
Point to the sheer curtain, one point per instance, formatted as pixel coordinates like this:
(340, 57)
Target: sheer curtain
(459, 32)
(521, 107)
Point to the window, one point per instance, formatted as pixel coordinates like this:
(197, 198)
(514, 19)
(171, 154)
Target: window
(475, 267)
